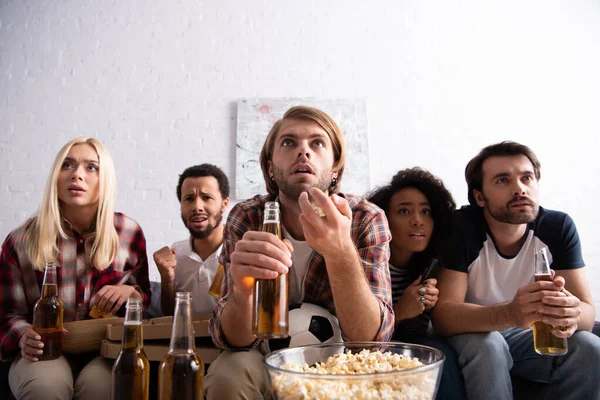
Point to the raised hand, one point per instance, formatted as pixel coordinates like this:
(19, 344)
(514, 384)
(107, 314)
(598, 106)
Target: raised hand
(165, 261)
(329, 234)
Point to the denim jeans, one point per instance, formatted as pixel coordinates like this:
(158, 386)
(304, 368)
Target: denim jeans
(488, 360)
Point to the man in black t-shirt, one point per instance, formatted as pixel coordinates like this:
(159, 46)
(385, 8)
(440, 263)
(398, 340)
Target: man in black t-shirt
(488, 298)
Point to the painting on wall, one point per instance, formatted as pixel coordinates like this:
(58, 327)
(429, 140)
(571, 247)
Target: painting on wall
(255, 118)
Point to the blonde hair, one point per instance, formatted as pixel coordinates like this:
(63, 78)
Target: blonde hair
(325, 122)
(42, 231)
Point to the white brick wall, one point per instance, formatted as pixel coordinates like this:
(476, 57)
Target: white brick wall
(157, 83)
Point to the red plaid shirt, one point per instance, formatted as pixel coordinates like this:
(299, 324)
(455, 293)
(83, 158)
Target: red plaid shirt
(371, 236)
(78, 282)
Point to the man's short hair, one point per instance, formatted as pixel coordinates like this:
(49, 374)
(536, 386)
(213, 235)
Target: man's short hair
(474, 169)
(325, 122)
(205, 170)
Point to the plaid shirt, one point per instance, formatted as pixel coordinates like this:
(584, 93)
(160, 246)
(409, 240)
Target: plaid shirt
(370, 234)
(78, 281)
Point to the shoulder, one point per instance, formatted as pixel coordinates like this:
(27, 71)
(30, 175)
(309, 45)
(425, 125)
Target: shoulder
(553, 219)
(551, 225)
(182, 246)
(252, 205)
(470, 223)
(15, 239)
(369, 222)
(250, 210)
(125, 224)
(246, 215)
(361, 205)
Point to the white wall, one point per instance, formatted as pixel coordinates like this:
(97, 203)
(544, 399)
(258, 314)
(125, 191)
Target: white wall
(157, 83)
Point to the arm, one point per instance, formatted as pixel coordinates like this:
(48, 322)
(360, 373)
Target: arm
(576, 311)
(452, 315)
(359, 278)
(124, 279)
(166, 262)
(246, 255)
(14, 309)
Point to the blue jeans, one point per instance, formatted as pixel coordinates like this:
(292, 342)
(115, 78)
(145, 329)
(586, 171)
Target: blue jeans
(488, 360)
(451, 385)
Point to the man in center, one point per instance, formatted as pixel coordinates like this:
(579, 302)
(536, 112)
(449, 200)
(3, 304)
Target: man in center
(338, 261)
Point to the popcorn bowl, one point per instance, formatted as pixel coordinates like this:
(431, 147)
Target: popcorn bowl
(355, 370)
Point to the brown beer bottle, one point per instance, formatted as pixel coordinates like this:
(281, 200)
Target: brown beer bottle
(215, 287)
(544, 342)
(181, 373)
(131, 370)
(48, 315)
(270, 303)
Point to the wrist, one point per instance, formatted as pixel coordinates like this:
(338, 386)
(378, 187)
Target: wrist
(240, 296)
(135, 293)
(165, 277)
(506, 315)
(343, 251)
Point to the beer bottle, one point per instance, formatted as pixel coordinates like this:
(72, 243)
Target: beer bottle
(131, 370)
(215, 287)
(544, 342)
(270, 303)
(181, 373)
(48, 316)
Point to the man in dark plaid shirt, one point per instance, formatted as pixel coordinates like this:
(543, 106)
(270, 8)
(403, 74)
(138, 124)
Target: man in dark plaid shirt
(338, 260)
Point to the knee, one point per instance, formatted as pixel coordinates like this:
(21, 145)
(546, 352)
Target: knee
(233, 373)
(586, 347)
(43, 383)
(489, 349)
(91, 382)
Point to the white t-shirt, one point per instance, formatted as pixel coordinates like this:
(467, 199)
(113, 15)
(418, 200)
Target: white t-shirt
(494, 277)
(300, 258)
(194, 275)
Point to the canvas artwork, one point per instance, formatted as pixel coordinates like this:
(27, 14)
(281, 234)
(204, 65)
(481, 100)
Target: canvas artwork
(256, 117)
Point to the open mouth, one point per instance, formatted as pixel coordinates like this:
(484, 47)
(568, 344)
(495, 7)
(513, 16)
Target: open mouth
(416, 235)
(198, 219)
(303, 169)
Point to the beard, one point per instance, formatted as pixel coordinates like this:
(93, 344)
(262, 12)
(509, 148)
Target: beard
(516, 217)
(293, 191)
(204, 233)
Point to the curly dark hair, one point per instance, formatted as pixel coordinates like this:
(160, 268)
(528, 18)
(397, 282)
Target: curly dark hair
(440, 201)
(205, 170)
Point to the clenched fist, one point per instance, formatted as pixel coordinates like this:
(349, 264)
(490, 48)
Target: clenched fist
(165, 261)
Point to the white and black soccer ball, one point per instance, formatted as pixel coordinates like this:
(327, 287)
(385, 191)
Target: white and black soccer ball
(309, 324)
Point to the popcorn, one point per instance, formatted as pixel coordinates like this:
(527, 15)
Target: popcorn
(388, 386)
(318, 210)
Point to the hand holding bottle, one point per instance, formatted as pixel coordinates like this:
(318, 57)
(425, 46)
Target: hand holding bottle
(259, 255)
(31, 345)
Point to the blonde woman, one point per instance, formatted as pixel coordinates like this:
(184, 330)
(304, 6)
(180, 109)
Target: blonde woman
(102, 261)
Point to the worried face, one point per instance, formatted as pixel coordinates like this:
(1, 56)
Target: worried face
(202, 205)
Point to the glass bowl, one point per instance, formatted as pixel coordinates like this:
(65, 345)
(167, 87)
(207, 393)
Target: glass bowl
(420, 382)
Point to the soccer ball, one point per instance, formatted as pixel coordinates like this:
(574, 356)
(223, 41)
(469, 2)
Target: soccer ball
(309, 324)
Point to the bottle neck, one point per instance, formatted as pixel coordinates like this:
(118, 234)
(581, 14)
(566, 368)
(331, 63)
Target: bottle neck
(50, 290)
(132, 329)
(182, 335)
